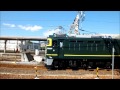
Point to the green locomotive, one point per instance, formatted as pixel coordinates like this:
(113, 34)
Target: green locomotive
(63, 51)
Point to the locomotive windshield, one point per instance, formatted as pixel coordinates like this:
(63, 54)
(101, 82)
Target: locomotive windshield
(48, 42)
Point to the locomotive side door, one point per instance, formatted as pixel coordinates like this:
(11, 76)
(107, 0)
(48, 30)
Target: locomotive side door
(61, 48)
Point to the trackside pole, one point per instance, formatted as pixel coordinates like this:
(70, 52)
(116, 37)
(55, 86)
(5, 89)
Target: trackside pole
(36, 73)
(113, 62)
(97, 73)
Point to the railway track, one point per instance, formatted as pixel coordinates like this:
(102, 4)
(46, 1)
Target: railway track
(19, 71)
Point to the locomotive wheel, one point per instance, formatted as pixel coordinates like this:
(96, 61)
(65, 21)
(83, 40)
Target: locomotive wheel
(55, 64)
(61, 65)
(85, 66)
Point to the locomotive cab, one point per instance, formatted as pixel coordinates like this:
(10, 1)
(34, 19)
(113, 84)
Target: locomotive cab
(48, 60)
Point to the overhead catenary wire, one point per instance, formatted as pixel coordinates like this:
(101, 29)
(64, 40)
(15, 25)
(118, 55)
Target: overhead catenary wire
(65, 20)
(88, 31)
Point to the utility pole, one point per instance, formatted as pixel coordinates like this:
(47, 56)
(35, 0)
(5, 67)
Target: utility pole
(113, 61)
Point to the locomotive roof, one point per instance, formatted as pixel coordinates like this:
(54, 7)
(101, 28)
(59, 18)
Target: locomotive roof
(64, 36)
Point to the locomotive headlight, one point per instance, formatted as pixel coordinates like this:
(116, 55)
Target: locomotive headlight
(53, 50)
(50, 57)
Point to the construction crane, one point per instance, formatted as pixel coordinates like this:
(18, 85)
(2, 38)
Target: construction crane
(74, 28)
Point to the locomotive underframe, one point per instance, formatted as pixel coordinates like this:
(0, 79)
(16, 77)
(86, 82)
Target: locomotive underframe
(83, 64)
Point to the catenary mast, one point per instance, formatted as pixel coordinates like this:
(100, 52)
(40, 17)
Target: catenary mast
(74, 29)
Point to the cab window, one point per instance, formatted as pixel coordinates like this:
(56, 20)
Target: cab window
(54, 43)
(48, 42)
(61, 44)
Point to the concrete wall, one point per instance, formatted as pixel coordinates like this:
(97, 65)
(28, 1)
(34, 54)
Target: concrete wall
(13, 45)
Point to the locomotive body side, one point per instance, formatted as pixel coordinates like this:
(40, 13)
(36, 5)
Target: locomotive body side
(63, 52)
